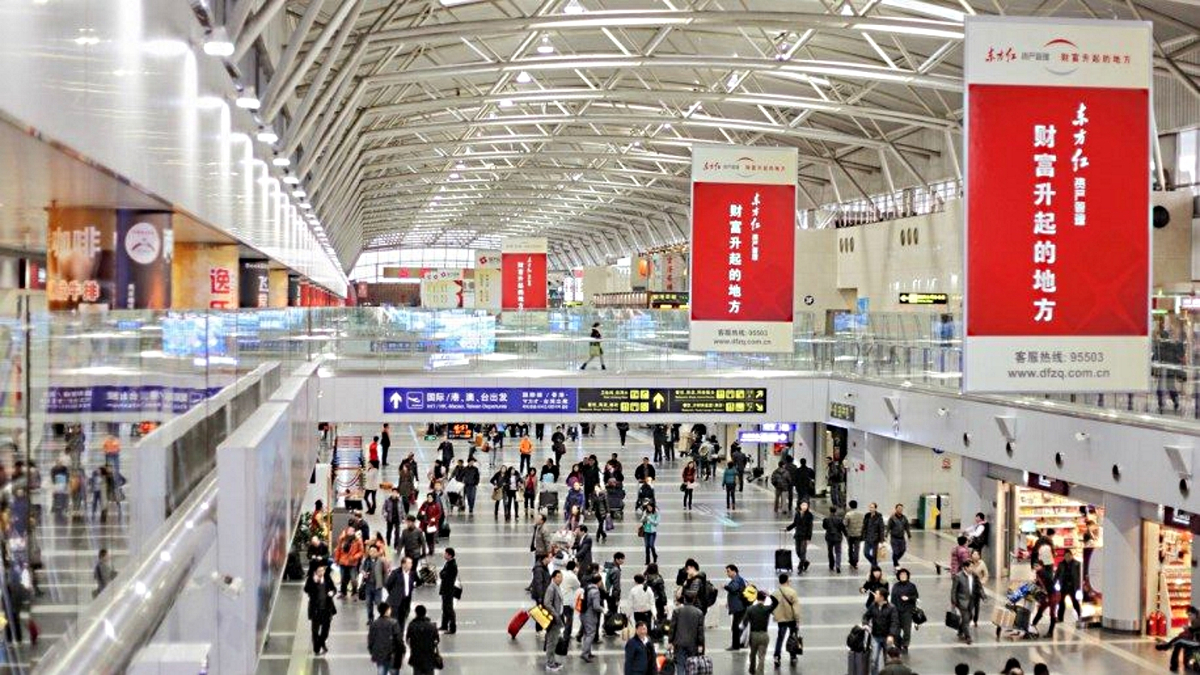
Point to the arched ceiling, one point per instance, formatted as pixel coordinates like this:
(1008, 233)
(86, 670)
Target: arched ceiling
(453, 123)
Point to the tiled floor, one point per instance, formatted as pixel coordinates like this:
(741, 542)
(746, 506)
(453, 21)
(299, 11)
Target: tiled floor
(494, 564)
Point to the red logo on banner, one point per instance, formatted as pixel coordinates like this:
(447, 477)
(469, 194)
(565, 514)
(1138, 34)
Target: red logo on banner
(1057, 207)
(523, 280)
(742, 246)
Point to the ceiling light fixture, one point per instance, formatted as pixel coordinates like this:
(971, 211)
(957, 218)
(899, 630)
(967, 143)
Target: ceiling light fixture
(545, 47)
(928, 8)
(453, 175)
(291, 180)
(574, 7)
(506, 103)
(299, 193)
(248, 102)
(934, 31)
(267, 136)
(281, 161)
(524, 77)
(217, 43)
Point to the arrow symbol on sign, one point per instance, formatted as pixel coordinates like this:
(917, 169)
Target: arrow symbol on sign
(395, 400)
(658, 400)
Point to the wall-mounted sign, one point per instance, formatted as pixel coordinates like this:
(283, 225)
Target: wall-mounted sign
(1046, 484)
(785, 427)
(668, 299)
(924, 298)
(841, 411)
(1181, 520)
(477, 399)
(746, 437)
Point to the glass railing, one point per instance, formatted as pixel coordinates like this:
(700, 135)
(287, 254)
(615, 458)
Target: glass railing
(75, 385)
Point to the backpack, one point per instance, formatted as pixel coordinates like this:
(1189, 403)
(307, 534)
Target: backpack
(857, 639)
(710, 594)
(778, 481)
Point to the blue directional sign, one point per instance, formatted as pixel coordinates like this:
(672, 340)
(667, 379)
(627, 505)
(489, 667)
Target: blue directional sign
(438, 400)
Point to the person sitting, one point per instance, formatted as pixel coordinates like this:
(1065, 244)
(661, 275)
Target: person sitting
(1188, 638)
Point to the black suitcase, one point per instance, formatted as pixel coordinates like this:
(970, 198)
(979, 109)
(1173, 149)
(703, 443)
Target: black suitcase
(859, 663)
(783, 555)
(615, 623)
(548, 500)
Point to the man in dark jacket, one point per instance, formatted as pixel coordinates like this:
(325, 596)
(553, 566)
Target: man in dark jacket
(660, 441)
(740, 460)
(965, 595)
(541, 579)
(321, 608)
(872, 533)
(781, 482)
(805, 481)
(1067, 578)
(835, 531)
(470, 481)
(639, 653)
(687, 632)
(737, 604)
(384, 639)
(885, 626)
(400, 584)
(412, 540)
(393, 515)
(422, 637)
(802, 530)
(583, 547)
(447, 588)
(644, 470)
(899, 532)
(446, 450)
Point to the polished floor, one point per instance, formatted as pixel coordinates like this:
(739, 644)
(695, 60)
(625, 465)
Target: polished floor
(494, 563)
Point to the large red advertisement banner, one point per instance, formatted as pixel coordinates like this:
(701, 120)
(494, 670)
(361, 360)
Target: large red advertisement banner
(743, 238)
(1058, 205)
(523, 273)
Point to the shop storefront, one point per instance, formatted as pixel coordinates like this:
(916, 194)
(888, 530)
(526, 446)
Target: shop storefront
(1167, 562)
(1043, 506)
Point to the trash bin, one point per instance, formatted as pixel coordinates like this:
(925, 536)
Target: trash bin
(933, 512)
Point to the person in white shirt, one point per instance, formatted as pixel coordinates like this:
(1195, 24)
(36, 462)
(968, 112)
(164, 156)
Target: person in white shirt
(641, 601)
(569, 589)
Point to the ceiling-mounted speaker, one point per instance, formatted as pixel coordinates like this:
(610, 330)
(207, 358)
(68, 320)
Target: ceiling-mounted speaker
(1161, 217)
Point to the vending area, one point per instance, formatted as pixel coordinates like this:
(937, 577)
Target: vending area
(1167, 561)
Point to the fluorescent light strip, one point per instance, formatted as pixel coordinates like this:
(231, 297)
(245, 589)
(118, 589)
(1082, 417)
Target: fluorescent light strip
(927, 8)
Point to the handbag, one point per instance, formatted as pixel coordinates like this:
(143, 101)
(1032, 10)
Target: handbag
(609, 525)
(919, 617)
(497, 494)
(795, 645)
(562, 646)
(542, 616)
(750, 594)
(953, 620)
(641, 532)
(699, 665)
(438, 662)
(683, 487)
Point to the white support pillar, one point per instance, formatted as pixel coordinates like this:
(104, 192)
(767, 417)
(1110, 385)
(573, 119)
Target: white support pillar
(1117, 571)
(977, 492)
(879, 469)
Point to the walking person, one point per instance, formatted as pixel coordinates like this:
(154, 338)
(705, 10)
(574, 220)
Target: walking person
(687, 631)
(854, 533)
(422, 637)
(836, 475)
(600, 510)
(374, 573)
(412, 540)
(689, 484)
(526, 450)
(623, 432)
(1067, 579)
(595, 348)
(321, 608)
(470, 480)
(448, 590)
(805, 481)
(649, 532)
(787, 616)
(530, 491)
(393, 518)
(736, 602)
(835, 531)
(552, 601)
(740, 460)
(781, 481)
(758, 617)
(729, 481)
(884, 622)
(899, 532)
(593, 605)
(103, 572)
(348, 557)
(965, 594)
(904, 598)
(1043, 577)
(400, 584)
(430, 517)
(406, 485)
(570, 589)
(802, 531)
(640, 658)
(875, 582)
(612, 581)
(981, 571)
(384, 639)
(873, 529)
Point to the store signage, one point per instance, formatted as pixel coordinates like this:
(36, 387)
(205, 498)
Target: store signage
(659, 299)
(1057, 205)
(924, 298)
(523, 273)
(786, 427)
(747, 437)
(460, 431)
(841, 411)
(743, 232)
(477, 399)
(1046, 484)
(1181, 520)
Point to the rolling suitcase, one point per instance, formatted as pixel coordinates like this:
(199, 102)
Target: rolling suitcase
(517, 623)
(783, 555)
(548, 500)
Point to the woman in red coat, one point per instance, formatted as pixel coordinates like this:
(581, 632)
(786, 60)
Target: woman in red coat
(430, 517)
(689, 484)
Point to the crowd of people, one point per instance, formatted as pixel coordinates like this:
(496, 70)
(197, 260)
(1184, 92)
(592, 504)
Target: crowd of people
(580, 596)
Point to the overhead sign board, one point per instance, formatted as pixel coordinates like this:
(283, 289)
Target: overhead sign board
(737, 400)
(841, 411)
(622, 400)
(924, 298)
(438, 400)
(1058, 138)
(762, 437)
(786, 427)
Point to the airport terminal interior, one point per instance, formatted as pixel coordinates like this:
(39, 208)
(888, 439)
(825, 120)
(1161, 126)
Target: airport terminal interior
(612, 337)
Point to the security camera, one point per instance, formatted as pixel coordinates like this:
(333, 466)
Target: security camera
(228, 584)
(942, 412)
(1081, 436)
